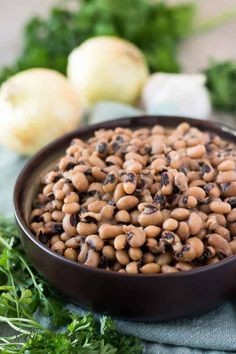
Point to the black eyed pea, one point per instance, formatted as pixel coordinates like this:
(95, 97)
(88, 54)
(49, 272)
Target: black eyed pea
(226, 177)
(152, 231)
(166, 268)
(165, 214)
(170, 224)
(130, 183)
(221, 219)
(46, 217)
(119, 192)
(82, 254)
(227, 165)
(220, 207)
(107, 212)
(122, 257)
(183, 230)
(70, 253)
(74, 242)
(135, 253)
(150, 216)
(169, 238)
(58, 215)
(95, 187)
(181, 181)
(164, 258)
(64, 237)
(231, 216)
(59, 194)
(187, 254)
(122, 216)
(134, 217)
(127, 202)
(196, 152)
(212, 190)
(95, 160)
(180, 214)
(58, 246)
(107, 231)
(96, 206)
(197, 245)
(69, 225)
(187, 201)
(219, 244)
(132, 166)
(135, 235)
(80, 182)
(54, 239)
(150, 268)
(166, 183)
(92, 259)
(213, 260)
(158, 164)
(120, 242)
(94, 242)
(71, 208)
(153, 245)
(98, 173)
(183, 266)
(148, 257)
(48, 189)
(132, 268)
(223, 231)
(114, 160)
(108, 252)
(85, 229)
(197, 183)
(232, 245)
(195, 223)
(136, 157)
(110, 182)
(196, 192)
(228, 189)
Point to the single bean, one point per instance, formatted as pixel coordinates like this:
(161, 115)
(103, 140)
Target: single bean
(135, 253)
(196, 152)
(85, 229)
(83, 252)
(231, 216)
(74, 242)
(122, 216)
(70, 253)
(135, 235)
(58, 247)
(107, 212)
(122, 257)
(183, 266)
(183, 231)
(127, 202)
(108, 252)
(220, 207)
(150, 268)
(148, 257)
(69, 225)
(195, 223)
(227, 165)
(80, 182)
(71, 208)
(132, 268)
(226, 177)
(130, 183)
(96, 206)
(197, 192)
(232, 245)
(150, 216)
(152, 231)
(119, 192)
(197, 245)
(107, 231)
(180, 214)
(220, 244)
(164, 258)
(92, 258)
(166, 268)
(170, 224)
(120, 242)
(95, 242)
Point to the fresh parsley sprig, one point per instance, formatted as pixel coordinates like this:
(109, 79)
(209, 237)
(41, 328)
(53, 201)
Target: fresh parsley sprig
(25, 298)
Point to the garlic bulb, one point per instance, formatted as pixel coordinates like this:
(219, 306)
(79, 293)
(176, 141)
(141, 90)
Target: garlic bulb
(107, 68)
(177, 94)
(36, 106)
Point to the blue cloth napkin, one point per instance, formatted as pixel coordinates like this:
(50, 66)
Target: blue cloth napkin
(213, 333)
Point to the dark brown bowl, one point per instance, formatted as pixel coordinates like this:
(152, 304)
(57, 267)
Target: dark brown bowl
(137, 297)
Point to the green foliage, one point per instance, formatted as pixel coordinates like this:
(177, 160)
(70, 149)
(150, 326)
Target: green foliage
(25, 298)
(154, 27)
(221, 81)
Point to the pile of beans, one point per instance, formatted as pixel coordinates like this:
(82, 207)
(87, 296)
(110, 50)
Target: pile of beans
(144, 201)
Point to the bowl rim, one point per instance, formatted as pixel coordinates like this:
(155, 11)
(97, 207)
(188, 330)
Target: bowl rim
(18, 213)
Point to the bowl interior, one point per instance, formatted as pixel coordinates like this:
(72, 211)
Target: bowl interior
(28, 182)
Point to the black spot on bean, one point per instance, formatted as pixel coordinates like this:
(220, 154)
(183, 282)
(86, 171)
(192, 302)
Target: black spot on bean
(130, 177)
(58, 228)
(109, 179)
(149, 209)
(101, 148)
(205, 169)
(160, 201)
(232, 202)
(74, 219)
(70, 166)
(37, 218)
(164, 179)
(43, 237)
